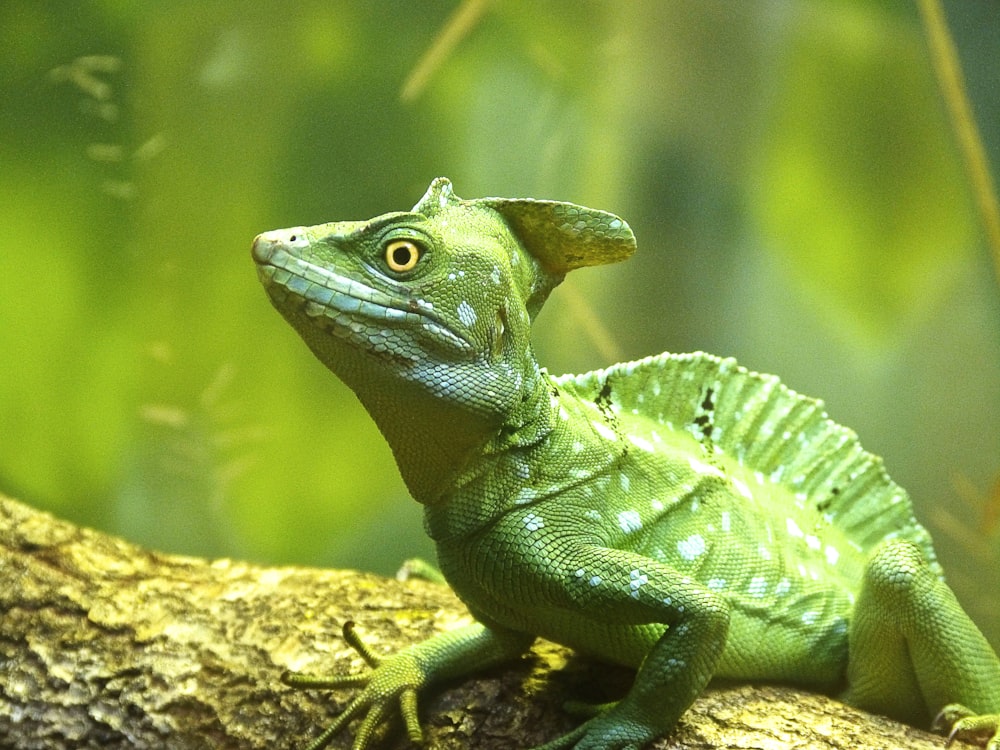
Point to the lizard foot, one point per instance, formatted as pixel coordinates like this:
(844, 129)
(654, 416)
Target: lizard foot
(967, 725)
(606, 731)
(393, 680)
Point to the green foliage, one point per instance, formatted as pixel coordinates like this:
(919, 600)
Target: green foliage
(862, 194)
(787, 170)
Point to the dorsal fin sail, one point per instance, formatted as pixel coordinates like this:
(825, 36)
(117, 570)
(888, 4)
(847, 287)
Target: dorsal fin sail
(764, 427)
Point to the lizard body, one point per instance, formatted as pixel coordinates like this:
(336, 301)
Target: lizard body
(679, 514)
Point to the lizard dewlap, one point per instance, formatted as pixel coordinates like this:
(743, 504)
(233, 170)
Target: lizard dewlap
(679, 514)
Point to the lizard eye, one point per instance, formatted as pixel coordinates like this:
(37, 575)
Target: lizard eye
(402, 255)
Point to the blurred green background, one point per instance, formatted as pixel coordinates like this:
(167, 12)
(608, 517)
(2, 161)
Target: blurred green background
(788, 168)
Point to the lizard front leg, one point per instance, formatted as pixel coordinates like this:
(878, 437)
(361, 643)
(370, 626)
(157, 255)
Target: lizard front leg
(634, 603)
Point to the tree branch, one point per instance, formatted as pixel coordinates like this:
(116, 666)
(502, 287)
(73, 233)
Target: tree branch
(104, 644)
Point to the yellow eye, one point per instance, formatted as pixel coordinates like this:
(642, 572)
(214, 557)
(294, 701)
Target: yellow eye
(402, 255)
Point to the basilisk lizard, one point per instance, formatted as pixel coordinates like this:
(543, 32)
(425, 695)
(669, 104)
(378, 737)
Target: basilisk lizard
(678, 514)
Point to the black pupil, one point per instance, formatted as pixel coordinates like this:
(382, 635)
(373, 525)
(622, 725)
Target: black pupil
(401, 254)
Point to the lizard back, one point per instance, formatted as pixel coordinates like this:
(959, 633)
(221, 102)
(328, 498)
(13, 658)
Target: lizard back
(762, 433)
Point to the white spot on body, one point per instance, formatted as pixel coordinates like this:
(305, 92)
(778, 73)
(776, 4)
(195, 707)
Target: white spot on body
(716, 584)
(692, 547)
(742, 488)
(810, 617)
(641, 443)
(630, 521)
(832, 555)
(533, 522)
(637, 579)
(764, 552)
(783, 587)
(757, 587)
(793, 528)
(700, 467)
(725, 521)
(521, 468)
(603, 430)
(525, 495)
(595, 581)
(625, 482)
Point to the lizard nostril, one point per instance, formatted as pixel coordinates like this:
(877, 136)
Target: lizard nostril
(262, 248)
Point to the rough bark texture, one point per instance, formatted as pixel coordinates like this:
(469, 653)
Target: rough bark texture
(104, 644)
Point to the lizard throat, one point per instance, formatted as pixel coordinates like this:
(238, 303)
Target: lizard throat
(345, 307)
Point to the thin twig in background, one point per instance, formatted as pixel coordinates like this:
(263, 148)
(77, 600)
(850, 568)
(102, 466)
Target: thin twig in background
(949, 74)
(457, 27)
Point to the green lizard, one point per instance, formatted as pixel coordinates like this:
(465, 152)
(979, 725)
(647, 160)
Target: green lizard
(679, 514)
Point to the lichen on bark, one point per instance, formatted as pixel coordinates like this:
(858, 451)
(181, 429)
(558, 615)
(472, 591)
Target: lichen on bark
(105, 644)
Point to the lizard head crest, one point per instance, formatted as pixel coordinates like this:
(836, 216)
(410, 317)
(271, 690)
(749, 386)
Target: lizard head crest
(560, 236)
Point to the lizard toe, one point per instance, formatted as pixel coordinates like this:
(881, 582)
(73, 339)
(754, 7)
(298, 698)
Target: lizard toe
(967, 725)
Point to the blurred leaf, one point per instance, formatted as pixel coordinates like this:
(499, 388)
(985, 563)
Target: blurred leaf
(147, 387)
(859, 189)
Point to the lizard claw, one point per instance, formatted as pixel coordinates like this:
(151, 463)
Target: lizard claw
(398, 681)
(966, 724)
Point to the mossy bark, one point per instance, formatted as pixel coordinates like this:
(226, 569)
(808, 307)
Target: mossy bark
(104, 644)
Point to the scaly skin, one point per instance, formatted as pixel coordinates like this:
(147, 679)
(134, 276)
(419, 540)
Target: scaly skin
(679, 514)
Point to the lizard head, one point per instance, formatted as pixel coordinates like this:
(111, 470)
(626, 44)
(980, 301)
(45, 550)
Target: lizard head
(442, 295)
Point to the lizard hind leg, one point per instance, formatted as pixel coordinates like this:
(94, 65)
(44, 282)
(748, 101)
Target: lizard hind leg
(913, 649)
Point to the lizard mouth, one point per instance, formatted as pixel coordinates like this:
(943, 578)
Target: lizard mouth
(344, 306)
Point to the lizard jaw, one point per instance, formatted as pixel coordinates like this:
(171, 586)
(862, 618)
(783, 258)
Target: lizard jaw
(343, 306)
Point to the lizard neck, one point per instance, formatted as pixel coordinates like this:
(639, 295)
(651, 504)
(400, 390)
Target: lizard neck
(508, 471)
(438, 440)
